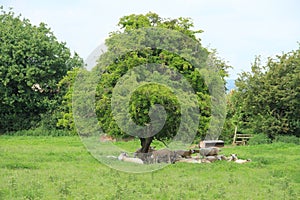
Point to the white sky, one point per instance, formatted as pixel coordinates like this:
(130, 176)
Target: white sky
(238, 29)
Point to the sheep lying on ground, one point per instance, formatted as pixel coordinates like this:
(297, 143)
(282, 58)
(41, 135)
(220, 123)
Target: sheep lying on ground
(221, 157)
(189, 160)
(240, 161)
(196, 150)
(164, 155)
(184, 153)
(145, 157)
(124, 157)
(212, 151)
(234, 158)
(204, 160)
(211, 158)
(209, 155)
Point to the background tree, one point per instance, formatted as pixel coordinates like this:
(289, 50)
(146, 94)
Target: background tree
(65, 115)
(231, 121)
(267, 99)
(32, 62)
(147, 96)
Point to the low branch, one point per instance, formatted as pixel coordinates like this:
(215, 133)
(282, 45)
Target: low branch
(163, 142)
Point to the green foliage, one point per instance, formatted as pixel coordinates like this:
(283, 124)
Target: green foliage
(148, 95)
(259, 139)
(230, 122)
(145, 97)
(133, 22)
(267, 99)
(287, 139)
(32, 62)
(65, 113)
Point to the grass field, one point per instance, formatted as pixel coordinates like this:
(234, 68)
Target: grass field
(61, 168)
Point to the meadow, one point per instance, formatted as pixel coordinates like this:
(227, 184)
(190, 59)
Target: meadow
(62, 168)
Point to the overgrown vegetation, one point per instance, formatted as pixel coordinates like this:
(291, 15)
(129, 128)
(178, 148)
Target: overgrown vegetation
(287, 139)
(168, 67)
(267, 98)
(37, 74)
(259, 139)
(32, 62)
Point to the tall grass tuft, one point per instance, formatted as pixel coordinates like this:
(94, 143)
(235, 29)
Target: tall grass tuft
(42, 132)
(287, 139)
(259, 139)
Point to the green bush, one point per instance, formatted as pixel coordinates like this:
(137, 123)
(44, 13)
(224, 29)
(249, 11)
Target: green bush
(32, 63)
(287, 139)
(259, 139)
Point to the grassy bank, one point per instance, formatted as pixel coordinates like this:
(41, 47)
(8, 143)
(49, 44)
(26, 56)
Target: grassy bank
(61, 168)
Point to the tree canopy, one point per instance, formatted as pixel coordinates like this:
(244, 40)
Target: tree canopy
(32, 62)
(144, 98)
(267, 98)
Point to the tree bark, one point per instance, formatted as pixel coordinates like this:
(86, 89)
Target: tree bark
(145, 143)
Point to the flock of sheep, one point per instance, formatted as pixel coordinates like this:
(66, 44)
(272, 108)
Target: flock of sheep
(204, 155)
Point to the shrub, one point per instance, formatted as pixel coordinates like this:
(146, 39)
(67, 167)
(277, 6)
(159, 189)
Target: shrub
(32, 63)
(287, 139)
(259, 139)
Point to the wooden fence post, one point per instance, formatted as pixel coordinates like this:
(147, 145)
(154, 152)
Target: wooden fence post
(234, 137)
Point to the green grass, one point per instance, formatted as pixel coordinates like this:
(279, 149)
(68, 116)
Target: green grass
(62, 168)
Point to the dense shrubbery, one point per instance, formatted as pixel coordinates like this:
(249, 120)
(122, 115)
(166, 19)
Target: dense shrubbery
(32, 62)
(259, 139)
(267, 99)
(287, 139)
(264, 139)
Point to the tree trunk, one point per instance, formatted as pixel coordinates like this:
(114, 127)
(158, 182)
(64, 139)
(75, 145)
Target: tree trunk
(145, 143)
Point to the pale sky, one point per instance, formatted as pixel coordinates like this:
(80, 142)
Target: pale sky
(238, 29)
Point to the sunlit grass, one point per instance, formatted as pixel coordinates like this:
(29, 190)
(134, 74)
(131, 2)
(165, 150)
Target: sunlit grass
(62, 168)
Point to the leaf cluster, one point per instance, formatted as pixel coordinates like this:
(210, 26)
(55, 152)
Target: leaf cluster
(148, 95)
(267, 98)
(32, 62)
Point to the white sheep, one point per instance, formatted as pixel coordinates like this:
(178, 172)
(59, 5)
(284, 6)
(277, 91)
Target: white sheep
(204, 160)
(240, 161)
(234, 158)
(221, 157)
(189, 160)
(124, 157)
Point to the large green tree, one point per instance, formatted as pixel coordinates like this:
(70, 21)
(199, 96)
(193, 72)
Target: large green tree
(32, 62)
(268, 98)
(145, 97)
